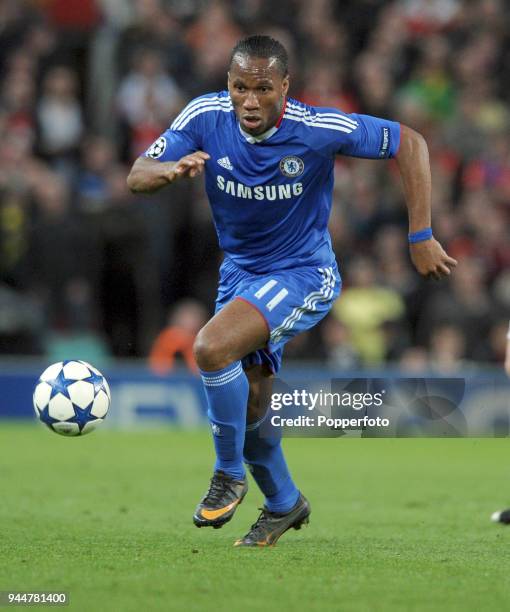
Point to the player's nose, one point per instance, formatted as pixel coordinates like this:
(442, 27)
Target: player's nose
(251, 102)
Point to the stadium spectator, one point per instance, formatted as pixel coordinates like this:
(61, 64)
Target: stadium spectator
(447, 349)
(98, 160)
(148, 99)
(177, 338)
(211, 37)
(59, 247)
(325, 86)
(21, 323)
(79, 336)
(153, 22)
(124, 269)
(60, 120)
(364, 308)
(464, 303)
(414, 360)
(341, 355)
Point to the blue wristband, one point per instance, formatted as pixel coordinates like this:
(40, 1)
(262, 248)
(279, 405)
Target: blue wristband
(424, 234)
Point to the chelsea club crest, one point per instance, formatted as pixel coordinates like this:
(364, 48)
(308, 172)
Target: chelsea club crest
(292, 166)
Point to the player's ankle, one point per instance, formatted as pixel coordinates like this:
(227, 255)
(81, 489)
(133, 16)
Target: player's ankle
(237, 473)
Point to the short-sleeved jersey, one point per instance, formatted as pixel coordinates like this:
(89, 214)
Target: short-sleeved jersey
(271, 195)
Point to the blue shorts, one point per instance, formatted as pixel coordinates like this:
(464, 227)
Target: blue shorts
(291, 301)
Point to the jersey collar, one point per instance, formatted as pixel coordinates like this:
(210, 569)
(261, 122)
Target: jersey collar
(268, 133)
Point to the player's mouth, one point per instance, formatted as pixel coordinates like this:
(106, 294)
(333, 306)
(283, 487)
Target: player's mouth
(251, 121)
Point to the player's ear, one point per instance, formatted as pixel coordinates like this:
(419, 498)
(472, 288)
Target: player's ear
(285, 85)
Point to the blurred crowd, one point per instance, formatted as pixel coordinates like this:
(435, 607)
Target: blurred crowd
(86, 268)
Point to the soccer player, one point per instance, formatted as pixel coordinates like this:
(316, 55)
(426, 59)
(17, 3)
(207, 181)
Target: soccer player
(268, 161)
(503, 516)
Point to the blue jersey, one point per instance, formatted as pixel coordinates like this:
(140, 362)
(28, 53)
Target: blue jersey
(271, 195)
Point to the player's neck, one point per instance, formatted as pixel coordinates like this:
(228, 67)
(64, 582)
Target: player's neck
(253, 139)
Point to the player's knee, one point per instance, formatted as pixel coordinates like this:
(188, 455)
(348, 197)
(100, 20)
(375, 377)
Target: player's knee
(210, 352)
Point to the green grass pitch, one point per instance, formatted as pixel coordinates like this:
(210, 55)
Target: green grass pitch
(395, 525)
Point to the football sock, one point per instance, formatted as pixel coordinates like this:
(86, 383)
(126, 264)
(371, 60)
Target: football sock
(264, 456)
(227, 396)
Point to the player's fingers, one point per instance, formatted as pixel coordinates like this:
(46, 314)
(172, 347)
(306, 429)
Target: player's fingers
(197, 159)
(450, 261)
(185, 165)
(190, 162)
(203, 155)
(190, 165)
(198, 164)
(443, 270)
(196, 171)
(184, 172)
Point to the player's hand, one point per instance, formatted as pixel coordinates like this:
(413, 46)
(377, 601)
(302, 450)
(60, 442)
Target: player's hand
(430, 259)
(190, 166)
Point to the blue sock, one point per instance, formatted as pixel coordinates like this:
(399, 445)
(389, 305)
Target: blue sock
(227, 396)
(264, 457)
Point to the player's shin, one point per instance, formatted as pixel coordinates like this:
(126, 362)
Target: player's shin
(264, 456)
(227, 395)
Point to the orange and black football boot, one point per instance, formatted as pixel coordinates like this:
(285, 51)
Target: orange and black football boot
(221, 500)
(271, 525)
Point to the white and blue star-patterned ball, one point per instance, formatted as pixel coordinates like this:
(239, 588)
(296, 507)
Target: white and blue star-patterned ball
(71, 397)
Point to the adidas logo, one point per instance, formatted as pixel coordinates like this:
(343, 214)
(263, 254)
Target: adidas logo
(224, 162)
(216, 429)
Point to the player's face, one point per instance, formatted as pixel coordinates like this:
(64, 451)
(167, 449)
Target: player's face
(257, 89)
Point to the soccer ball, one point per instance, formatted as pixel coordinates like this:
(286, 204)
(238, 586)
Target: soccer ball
(71, 398)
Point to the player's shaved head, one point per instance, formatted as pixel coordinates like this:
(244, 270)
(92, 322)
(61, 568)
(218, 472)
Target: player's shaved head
(263, 47)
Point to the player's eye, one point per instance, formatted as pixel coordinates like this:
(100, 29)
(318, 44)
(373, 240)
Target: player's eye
(264, 89)
(240, 88)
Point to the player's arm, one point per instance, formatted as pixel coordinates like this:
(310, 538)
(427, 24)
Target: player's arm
(427, 254)
(149, 175)
(177, 153)
(373, 138)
